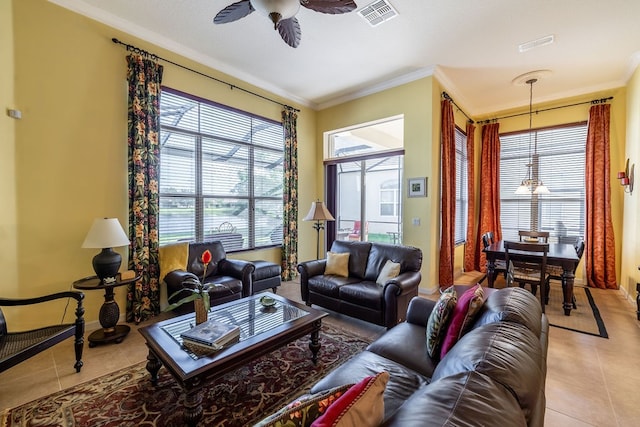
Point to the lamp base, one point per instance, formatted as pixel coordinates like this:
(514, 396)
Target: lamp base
(106, 265)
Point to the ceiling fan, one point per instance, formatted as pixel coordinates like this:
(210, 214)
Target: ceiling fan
(282, 13)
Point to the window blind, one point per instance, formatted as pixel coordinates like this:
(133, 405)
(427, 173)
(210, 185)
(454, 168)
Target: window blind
(560, 161)
(461, 187)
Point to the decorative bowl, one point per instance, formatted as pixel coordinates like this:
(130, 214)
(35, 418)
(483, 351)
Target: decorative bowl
(267, 301)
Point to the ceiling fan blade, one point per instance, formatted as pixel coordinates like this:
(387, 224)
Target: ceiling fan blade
(290, 31)
(233, 12)
(330, 6)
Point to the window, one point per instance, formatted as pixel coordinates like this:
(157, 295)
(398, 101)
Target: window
(559, 163)
(389, 198)
(221, 174)
(461, 187)
(364, 180)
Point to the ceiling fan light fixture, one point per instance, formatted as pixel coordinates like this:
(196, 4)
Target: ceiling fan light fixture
(277, 10)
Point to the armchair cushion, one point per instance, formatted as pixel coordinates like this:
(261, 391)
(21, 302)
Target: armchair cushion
(173, 257)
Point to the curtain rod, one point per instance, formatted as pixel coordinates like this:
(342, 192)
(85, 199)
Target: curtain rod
(131, 48)
(593, 101)
(445, 95)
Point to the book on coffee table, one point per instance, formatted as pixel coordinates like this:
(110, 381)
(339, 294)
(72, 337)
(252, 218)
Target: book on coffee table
(211, 334)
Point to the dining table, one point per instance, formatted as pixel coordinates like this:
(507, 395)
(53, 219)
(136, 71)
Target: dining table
(560, 254)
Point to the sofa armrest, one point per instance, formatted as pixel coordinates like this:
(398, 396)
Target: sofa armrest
(419, 311)
(239, 269)
(406, 282)
(309, 269)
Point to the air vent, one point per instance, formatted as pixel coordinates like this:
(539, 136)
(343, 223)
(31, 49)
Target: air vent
(543, 41)
(378, 12)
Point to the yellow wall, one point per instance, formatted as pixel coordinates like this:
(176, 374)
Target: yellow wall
(71, 145)
(8, 218)
(631, 238)
(419, 103)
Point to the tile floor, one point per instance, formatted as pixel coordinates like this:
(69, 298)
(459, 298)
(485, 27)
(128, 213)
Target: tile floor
(591, 381)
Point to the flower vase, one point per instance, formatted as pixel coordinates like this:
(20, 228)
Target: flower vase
(201, 313)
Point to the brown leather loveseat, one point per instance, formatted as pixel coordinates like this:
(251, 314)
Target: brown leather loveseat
(358, 295)
(493, 376)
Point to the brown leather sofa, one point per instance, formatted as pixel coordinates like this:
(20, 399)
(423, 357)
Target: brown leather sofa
(358, 295)
(228, 281)
(493, 376)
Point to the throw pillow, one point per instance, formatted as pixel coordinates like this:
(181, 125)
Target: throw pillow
(360, 406)
(462, 317)
(337, 263)
(389, 271)
(173, 257)
(436, 326)
(304, 410)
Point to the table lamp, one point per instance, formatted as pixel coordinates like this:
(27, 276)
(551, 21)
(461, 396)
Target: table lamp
(318, 213)
(106, 233)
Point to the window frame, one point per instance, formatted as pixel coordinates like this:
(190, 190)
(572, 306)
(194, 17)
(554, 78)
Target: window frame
(199, 194)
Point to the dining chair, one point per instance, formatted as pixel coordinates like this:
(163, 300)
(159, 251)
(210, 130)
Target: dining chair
(555, 271)
(500, 265)
(536, 236)
(527, 266)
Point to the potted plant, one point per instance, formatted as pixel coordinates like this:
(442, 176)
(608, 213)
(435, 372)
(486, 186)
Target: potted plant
(199, 293)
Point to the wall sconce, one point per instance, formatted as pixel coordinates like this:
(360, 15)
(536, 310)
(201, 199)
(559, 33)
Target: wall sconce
(626, 177)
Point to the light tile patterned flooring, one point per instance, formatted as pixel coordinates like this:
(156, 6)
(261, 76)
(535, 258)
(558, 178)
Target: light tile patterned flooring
(591, 381)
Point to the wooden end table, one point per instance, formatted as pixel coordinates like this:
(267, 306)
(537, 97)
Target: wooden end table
(109, 312)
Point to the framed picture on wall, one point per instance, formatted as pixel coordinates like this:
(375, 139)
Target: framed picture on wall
(417, 187)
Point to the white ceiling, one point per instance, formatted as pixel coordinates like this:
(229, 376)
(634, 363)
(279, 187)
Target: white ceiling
(470, 45)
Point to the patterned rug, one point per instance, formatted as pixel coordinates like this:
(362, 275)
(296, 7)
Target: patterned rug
(585, 318)
(240, 398)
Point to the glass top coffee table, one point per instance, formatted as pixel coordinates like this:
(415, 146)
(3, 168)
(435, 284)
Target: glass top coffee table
(262, 330)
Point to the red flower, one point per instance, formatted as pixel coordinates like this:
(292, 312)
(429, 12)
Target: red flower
(206, 257)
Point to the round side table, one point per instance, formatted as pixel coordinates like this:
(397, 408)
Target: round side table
(109, 312)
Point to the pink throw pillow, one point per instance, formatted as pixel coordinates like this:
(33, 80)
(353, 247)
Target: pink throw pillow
(466, 308)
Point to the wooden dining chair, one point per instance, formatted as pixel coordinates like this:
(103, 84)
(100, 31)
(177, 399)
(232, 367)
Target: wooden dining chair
(538, 236)
(500, 265)
(555, 271)
(527, 265)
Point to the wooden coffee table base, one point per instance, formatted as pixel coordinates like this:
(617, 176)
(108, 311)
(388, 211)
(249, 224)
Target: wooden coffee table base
(262, 332)
(193, 396)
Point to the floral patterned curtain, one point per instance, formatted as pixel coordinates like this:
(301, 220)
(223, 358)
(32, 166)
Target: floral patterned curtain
(290, 196)
(144, 77)
(470, 254)
(489, 190)
(448, 198)
(600, 250)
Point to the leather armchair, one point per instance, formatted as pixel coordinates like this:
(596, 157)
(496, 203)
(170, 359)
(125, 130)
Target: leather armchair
(229, 280)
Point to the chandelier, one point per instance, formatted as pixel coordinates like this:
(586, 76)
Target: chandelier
(529, 185)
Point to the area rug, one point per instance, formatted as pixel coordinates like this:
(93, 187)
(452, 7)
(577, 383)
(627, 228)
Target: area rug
(585, 318)
(240, 398)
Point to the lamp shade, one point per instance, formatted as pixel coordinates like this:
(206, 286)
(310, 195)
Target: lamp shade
(105, 233)
(318, 212)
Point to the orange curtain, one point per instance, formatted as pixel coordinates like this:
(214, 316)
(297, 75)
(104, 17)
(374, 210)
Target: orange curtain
(489, 190)
(600, 256)
(470, 245)
(448, 198)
